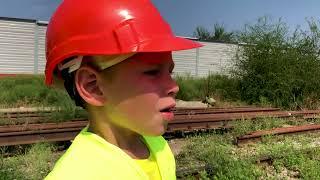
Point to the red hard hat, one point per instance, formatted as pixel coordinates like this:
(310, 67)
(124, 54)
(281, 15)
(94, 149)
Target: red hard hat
(107, 27)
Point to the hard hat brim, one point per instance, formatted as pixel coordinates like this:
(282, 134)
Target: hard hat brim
(162, 44)
(168, 44)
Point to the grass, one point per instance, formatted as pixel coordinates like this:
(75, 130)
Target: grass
(34, 164)
(220, 87)
(242, 127)
(216, 152)
(227, 162)
(295, 156)
(30, 91)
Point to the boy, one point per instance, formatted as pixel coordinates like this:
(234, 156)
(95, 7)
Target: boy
(114, 57)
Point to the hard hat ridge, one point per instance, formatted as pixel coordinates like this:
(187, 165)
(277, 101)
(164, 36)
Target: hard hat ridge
(105, 27)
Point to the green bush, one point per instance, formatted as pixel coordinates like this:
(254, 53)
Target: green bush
(190, 88)
(278, 67)
(214, 85)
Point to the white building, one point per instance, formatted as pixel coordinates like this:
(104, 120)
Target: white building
(22, 51)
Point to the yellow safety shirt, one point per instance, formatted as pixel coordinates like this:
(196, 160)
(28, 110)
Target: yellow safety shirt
(150, 167)
(90, 157)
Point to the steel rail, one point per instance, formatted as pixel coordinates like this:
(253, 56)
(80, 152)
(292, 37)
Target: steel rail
(257, 135)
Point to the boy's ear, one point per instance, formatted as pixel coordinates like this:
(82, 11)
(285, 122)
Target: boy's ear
(86, 80)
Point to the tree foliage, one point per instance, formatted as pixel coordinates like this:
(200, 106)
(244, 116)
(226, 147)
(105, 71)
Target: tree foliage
(278, 67)
(219, 34)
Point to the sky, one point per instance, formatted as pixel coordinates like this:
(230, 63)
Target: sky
(185, 15)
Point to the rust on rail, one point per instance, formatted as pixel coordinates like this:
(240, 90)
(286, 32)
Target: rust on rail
(257, 135)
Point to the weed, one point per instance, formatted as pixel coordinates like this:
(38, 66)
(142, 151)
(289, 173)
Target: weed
(244, 126)
(35, 164)
(217, 153)
(218, 86)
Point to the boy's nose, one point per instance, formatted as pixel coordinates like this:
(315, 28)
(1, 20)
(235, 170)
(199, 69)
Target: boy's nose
(172, 87)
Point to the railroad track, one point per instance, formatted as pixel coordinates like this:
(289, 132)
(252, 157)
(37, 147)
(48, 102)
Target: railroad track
(257, 135)
(44, 132)
(185, 120)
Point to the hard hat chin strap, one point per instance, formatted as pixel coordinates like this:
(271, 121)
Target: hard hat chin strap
(72, 65)
(68, 68)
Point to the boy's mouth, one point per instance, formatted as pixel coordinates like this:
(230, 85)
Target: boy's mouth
(167, 110)
(167, 113)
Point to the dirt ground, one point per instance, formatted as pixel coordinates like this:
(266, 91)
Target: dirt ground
(190, 104)
(177, 145)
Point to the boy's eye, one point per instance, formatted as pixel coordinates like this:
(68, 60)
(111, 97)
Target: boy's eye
(152, 72)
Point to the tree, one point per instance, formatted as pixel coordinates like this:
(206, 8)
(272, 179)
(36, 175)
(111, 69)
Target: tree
(202, 33)
(219, 34)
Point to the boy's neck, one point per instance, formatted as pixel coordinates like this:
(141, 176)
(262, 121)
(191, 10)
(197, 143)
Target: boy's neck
(130, 142)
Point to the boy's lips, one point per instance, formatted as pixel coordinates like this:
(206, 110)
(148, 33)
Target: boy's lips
(168, 116)
(167, 112)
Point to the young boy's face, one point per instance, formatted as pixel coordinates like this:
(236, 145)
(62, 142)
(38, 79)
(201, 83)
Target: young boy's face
(141, 93)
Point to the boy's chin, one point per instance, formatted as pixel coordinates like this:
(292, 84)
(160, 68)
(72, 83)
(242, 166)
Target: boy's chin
(157, 132)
